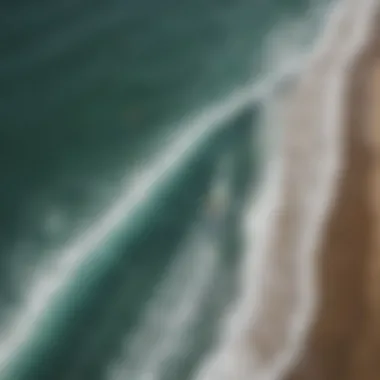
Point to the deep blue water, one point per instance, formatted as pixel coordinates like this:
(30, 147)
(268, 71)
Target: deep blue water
(92, 94)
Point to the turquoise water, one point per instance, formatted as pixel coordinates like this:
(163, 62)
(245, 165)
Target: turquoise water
(92, 95)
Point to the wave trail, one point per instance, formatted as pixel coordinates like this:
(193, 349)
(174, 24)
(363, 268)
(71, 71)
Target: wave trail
(68, 259)
(265, 332)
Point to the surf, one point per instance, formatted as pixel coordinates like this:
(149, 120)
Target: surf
(238, 356)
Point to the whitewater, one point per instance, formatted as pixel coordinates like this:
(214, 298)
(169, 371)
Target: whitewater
(50, 279)
(234, 356)
(265, 332)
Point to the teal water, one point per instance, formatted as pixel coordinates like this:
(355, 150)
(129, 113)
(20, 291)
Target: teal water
(92, 94)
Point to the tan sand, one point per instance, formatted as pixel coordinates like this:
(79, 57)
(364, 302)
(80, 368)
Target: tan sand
(294, 256)
(344, 343)
(317, 279)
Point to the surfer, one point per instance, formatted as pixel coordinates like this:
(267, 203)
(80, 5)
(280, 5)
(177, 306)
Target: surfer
(217, 205)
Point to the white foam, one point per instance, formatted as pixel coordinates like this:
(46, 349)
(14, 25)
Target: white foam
(136, 191)
(333, 54)
(73, 255)
(163, 332)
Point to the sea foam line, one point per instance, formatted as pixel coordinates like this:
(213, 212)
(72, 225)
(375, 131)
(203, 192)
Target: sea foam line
(72, 256)
(235, 357)
(163, 332)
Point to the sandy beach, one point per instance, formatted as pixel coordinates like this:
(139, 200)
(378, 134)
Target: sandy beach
(315, 313)
(319, 313)
(344, 340)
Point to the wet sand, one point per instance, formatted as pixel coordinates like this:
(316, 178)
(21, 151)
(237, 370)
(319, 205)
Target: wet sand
(312, 268)
(344, 340)
(311, 298)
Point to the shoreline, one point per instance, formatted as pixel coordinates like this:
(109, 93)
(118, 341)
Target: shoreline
(281, 286)
(313, 157)
(344, 340)
(312, 161)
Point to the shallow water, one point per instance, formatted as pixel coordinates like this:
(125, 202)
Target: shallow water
(93, 95)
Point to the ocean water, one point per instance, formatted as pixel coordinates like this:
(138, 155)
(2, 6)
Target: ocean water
(133, 136)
